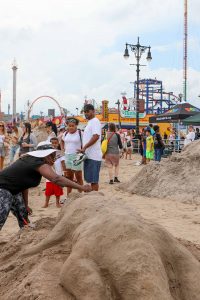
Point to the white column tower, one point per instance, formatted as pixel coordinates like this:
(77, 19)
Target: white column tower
(14, 68)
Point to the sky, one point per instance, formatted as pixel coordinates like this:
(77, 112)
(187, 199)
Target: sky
(69, 49)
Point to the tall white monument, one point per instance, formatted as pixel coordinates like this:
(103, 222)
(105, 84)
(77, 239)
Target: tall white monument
(14, 68)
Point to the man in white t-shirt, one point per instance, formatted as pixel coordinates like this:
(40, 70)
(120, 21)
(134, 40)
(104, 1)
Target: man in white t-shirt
(190, 137)
(92, 147)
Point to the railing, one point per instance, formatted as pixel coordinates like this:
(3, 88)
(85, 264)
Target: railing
(136, 145)
(173, 146)
(170, 146)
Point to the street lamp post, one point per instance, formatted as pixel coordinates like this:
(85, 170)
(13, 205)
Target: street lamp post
(138, 51)
(14, 68)
(77, 111)
(119, 117)
(180, 96)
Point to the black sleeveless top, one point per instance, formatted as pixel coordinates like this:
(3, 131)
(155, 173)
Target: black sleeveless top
(21, 175)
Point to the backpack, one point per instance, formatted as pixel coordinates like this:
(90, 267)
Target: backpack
(80, 135)
(158, 141)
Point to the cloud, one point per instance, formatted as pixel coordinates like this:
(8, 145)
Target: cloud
(72, 48)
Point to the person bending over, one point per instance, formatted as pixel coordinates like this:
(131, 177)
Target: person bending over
(26, 173)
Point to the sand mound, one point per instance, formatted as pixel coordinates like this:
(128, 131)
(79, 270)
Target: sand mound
(177, 177)
(100, 249)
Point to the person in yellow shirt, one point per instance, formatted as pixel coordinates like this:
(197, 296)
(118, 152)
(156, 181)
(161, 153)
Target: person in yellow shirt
(149, 146)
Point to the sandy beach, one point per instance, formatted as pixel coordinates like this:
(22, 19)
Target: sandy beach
(43, 276)
(182, 220)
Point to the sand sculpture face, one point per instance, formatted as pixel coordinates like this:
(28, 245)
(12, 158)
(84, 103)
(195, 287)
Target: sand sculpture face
(114, 254)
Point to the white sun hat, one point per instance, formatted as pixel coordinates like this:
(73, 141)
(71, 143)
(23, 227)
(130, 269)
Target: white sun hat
(43, 149)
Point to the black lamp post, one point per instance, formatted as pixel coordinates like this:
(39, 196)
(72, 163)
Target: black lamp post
(138, 51)
(180, 96)
(77, 111)
(119, 117)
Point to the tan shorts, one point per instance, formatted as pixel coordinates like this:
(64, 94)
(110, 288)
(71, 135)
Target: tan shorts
(112, 159)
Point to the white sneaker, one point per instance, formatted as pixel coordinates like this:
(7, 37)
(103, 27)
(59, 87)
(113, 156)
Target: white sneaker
(79, 159)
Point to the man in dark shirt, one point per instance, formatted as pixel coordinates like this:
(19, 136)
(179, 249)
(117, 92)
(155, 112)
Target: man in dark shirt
(158, 144)
(197, 134)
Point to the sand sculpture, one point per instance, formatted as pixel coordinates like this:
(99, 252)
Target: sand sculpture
(177, 177)
(103, 250)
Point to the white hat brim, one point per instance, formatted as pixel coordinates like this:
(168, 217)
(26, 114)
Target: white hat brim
(41, 153)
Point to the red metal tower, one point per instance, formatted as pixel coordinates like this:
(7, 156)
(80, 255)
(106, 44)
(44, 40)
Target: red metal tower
(185, 46)
(0, 101)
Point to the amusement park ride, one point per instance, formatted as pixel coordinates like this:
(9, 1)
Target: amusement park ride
(155, 99)
(152, 98)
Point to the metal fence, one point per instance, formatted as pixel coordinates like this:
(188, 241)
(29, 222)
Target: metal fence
(170, 146)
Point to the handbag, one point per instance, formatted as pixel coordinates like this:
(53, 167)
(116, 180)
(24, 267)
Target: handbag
(104, 145)
(128, 144)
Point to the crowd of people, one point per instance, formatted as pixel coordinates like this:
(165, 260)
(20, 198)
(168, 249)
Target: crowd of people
(68, 157)
(59, 159)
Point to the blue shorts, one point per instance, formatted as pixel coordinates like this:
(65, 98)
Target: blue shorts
(92, 170)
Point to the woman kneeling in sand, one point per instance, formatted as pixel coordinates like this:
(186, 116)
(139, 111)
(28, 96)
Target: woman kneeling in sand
(25, 173)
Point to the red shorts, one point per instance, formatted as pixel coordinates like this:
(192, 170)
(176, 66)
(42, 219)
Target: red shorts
(53, 189)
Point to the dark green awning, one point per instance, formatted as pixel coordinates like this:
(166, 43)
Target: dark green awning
(193, 120)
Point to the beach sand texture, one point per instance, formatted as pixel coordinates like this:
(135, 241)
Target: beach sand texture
(93, 224)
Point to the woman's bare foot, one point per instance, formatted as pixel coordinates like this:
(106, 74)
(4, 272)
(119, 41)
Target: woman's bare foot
(58, 205)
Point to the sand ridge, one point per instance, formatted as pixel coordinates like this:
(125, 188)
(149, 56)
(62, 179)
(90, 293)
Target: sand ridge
(177, 177)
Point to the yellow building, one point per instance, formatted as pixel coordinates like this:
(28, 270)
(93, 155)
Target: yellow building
(114, 118)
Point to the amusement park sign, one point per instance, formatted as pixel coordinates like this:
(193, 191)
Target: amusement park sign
(131, 114)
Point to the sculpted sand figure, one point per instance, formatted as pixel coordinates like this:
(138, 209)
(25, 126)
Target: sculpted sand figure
(115, 254)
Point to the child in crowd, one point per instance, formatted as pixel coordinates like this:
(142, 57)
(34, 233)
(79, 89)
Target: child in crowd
(149, 146)
(59, 167)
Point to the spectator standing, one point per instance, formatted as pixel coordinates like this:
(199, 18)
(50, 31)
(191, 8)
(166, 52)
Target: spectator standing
(14, 142)
(158, 144)
(71, 142)
(92, 147)
(142, 139)
(51, 129)
(53, 189)
(122, 136)
(28, 141)
(197, 134)
(3, 144)
(61, 130)
(152, 129)
(128, 145)
(112, 155)
(165, 136)
(190, 137)
(172, 138)
(149, 146)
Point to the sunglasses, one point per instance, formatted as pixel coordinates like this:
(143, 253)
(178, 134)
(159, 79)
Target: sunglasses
(71, 121)
(1, 125)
